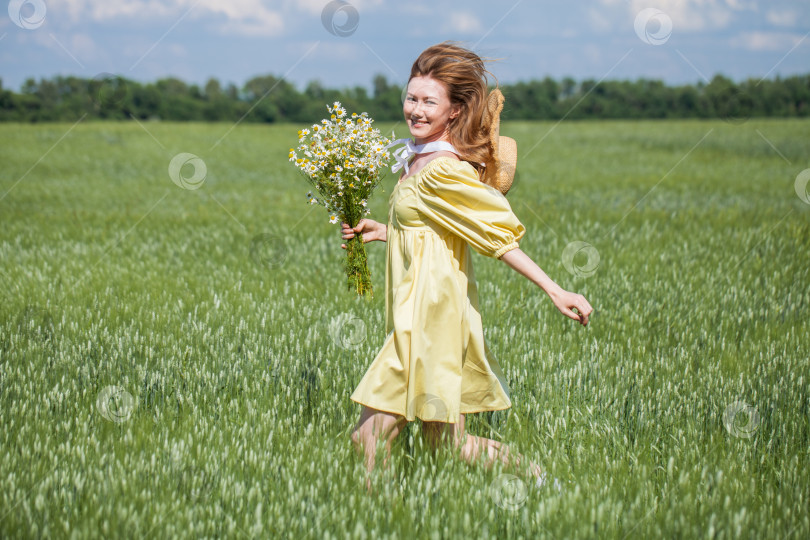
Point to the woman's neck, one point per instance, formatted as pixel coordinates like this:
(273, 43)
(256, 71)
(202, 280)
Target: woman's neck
(443, 136)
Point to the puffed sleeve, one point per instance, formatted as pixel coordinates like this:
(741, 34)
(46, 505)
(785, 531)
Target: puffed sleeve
(451, 195)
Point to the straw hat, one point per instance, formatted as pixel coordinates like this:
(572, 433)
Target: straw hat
(501, 171)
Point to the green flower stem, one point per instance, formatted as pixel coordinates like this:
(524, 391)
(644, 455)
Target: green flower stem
(356, 266)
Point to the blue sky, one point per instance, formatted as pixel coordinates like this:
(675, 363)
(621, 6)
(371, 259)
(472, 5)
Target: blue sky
(347, 43)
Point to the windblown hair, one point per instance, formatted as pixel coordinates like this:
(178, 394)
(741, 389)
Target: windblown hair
(463, 75)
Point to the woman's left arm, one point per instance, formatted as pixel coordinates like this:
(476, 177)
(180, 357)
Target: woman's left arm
(564, 300)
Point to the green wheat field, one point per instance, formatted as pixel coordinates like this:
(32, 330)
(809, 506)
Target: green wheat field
(176, 358)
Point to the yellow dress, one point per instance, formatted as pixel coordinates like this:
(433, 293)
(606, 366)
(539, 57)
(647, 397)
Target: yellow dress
(434, 363)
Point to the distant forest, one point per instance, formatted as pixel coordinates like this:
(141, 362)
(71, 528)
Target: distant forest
(270, 99)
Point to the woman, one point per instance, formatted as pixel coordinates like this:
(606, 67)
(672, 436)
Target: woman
(434, 364)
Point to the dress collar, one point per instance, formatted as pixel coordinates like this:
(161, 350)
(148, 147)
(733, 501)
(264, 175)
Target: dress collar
(404, 154)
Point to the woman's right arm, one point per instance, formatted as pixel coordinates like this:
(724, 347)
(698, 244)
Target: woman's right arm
(370, 229)
(564, 300)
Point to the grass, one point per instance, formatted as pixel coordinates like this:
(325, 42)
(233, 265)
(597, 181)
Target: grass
(178, 362)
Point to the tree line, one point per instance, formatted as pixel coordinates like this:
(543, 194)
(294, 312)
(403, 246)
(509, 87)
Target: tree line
(271, 99)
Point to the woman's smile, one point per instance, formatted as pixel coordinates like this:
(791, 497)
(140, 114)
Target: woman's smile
(428, 109)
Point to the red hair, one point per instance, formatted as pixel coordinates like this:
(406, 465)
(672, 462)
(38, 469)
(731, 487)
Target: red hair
(464, 77)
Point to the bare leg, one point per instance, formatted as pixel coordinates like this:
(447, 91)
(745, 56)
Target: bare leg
(375, 425)
(473, 448)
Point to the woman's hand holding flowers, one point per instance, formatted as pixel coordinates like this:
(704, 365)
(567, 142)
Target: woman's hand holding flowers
(370, 229)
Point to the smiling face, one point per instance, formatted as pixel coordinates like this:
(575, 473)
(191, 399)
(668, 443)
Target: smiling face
(428, 110)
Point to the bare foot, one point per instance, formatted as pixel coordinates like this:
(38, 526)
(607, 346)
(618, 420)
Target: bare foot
(536, 471)
(541, 480)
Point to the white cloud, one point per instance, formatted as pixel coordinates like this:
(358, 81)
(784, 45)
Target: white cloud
(463, 23)
(83, 46)
(99, 10)
(242, 16)
(593, 53)
(742, 4)
(177, 50)
(690, 15)
(598, 20)
(246, 16)
(315, 7)
(766, 41)
(785, 17)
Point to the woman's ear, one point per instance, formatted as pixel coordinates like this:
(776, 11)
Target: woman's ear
(454, 112)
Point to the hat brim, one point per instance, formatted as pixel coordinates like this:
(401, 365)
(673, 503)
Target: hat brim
(506, 163)
(504, 149)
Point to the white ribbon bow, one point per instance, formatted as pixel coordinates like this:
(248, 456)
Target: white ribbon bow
(404, 154)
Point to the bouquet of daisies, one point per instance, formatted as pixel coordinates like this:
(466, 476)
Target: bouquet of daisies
(342, 158)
